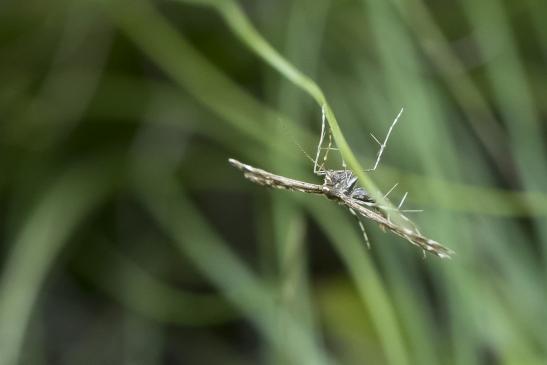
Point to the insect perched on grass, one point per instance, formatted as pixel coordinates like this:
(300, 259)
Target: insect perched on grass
(341, 186)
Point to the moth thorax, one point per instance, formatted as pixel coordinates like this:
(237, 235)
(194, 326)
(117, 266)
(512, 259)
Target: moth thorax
(342, 181)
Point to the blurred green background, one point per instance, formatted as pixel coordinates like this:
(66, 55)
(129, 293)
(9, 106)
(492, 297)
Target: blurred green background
(126, 238)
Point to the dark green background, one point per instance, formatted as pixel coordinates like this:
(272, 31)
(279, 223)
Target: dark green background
(126, 238)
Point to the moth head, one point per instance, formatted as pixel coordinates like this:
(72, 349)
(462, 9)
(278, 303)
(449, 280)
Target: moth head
(332, 178)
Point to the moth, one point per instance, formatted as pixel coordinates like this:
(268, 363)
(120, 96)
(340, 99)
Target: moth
(342, 187)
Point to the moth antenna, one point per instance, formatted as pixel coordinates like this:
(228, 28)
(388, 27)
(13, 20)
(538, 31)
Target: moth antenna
(316, 166)
(285, 125)
(302, 149)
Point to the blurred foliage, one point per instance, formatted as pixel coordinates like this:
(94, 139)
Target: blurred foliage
(128, 239)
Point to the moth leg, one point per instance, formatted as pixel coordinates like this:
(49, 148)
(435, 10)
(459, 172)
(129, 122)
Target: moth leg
(316, 168)
(327, 150)
(404, 217)
(363, 231)
(402, 201)
(385, 197)
(383, 145)
(390, 190)
(319, 169)
(384, 210)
